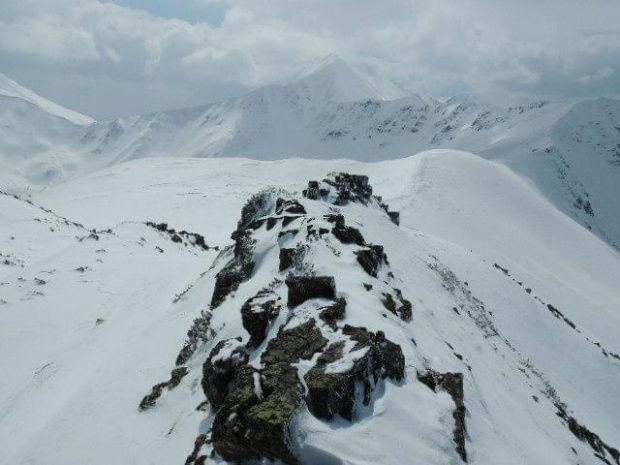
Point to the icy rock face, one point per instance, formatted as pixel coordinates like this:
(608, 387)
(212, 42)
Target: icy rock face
(302, 344)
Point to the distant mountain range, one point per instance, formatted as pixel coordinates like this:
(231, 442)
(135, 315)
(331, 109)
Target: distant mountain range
(570, 151)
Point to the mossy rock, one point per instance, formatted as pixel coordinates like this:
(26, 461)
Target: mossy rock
(294, 344)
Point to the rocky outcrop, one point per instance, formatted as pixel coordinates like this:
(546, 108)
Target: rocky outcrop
(400, 307)
(252, 381)
(303, 288)
(240, 267)
(452, 383)
(150, 399)
(371, 359)
(371, 259)
(220, 369)
(254, 421)
(257, 313)
(291, 345)
(334, 312)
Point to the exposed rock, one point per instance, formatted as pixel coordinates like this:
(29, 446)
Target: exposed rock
(348, 235)
(335, 393)
(200, 331)
(582, 433)
(395, 217)
(313, 192)
(254, 421)
(403, 309)
(289, 206)
(452, 383)
(371, 259)
(302, 288)
(286, 258)
(175, 379)
(236, 271)
(294, 344)
(251, 427)
(220, 368)
(257, 313)
(334, 312)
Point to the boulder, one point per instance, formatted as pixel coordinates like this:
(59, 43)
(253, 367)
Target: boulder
(256, 315)
(220, 369)
(371, 259)
(334, 312)
(302, 288)
(332, 393)
(291, 345)
(289, 206)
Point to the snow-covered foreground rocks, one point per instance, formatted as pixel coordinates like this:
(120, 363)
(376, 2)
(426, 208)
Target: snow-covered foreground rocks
(482, 327)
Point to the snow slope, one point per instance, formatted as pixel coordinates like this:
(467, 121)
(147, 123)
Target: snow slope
(331, 111)
(36, 137)
(505, 289)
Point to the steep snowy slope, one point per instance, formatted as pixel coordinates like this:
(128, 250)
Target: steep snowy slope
(504, 288)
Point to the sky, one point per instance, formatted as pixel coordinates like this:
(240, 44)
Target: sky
(122, 57)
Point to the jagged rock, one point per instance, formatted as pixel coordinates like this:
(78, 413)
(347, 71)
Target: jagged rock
(312, 192)
(286, 258)
(257, 313)
(289, 206)
(403, 310)
(254, 421)
(175, 379)
(293, 344)
(241, 266)
(271, 222)
(452, 383)
(334, 393)
(330, 394)
(220, 369)
(302, 288)
(333, 312)
(395, 217)
(582, 433)
(200, 331)
(338, 220)
(371, 259)
(288, 220)
(347, 234)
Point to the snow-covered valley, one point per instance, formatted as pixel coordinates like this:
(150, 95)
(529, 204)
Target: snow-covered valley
(174, 290)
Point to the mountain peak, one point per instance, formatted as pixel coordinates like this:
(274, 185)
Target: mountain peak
(336, 80)
(10, 88)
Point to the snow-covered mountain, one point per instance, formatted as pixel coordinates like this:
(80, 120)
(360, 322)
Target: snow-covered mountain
(569, 151)
(36, 135)
(482, 327)
(331, 271)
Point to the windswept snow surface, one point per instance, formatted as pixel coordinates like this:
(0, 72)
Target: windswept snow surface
(481, 253)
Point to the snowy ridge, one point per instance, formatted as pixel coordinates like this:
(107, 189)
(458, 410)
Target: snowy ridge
(332, 111)
(11, 89)
(502, 287)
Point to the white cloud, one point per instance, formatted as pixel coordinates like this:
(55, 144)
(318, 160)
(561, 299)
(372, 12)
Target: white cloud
(438, 48)
(600, 75)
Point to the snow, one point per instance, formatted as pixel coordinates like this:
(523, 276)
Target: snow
(11, 89)
(495, 243)
(71, 395)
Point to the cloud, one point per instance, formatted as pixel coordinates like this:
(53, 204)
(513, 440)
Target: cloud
(554, 48)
